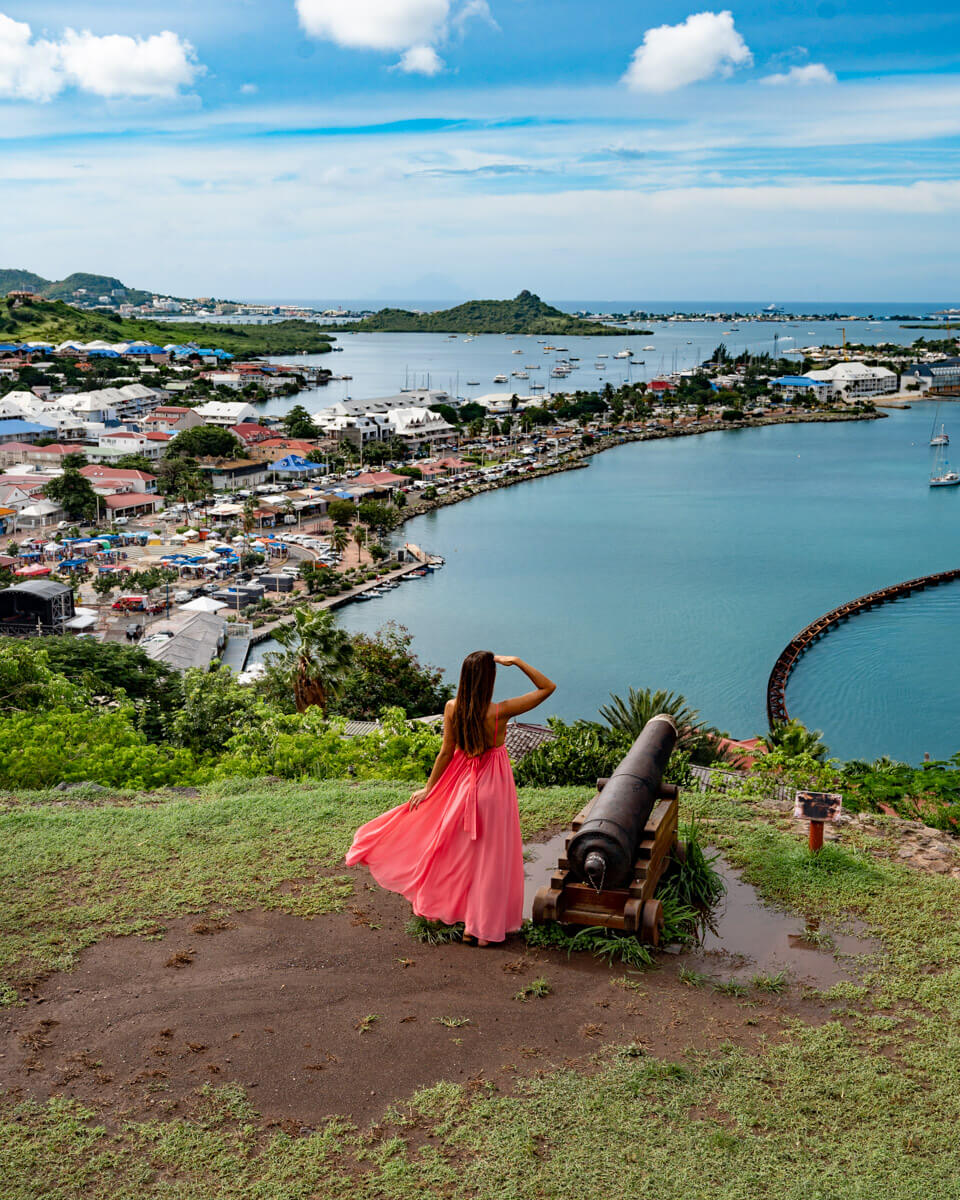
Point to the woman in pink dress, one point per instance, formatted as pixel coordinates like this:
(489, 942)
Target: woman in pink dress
(454, 850)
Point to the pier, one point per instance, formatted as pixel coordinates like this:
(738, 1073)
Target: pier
(780, 675)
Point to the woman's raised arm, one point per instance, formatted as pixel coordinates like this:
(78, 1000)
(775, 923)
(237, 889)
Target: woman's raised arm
(520, 704)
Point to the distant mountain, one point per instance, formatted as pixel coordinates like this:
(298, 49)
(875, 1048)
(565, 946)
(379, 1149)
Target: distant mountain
(525, 314)
(77, 287)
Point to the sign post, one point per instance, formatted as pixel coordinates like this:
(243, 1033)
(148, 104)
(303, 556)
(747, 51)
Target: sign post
(817, 808)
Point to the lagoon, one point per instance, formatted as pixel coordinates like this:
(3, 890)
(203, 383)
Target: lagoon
(689, 564)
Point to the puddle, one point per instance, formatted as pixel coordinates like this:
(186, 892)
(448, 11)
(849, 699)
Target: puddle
(748, 937)
(540, 860)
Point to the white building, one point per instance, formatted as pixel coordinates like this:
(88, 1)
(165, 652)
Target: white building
(219, 412)
(855, 380)
(418, 427)
(118, 443)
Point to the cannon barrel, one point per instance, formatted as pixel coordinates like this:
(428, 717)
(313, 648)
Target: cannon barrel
(604, 850)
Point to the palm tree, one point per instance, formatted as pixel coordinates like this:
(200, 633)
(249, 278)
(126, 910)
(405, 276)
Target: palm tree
(360, 537)
(339, 539)
(633, 714)
(793, 739)
(317, 655)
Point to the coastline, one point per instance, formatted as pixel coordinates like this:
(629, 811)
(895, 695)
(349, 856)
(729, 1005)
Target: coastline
(579, 458)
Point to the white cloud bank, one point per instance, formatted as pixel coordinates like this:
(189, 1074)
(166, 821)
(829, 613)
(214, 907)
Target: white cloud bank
(39, 69)
(420, 60)
(673, 56)
(812, 73)
(375, 24)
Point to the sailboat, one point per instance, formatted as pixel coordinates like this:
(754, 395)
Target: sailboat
(942, 476)
(942, 438)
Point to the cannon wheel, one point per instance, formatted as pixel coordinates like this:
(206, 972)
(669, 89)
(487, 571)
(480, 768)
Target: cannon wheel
(651, 922)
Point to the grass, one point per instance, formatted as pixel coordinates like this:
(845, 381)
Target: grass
(75, 870)
(534, 991)
(774, 983)
(452, 1022)
(838, 1109)
(601, 943)
(692, 978)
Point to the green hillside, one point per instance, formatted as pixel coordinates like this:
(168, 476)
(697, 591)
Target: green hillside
(54, 321)
(525, 314)
(95, 286)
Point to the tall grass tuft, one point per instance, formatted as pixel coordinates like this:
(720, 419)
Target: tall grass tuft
(692, 880)
(433, 933)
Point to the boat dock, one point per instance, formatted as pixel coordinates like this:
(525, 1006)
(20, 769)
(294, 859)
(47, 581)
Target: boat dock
(780, 675)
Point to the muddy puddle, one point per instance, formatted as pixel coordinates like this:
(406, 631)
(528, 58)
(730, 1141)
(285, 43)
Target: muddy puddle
(746, 937)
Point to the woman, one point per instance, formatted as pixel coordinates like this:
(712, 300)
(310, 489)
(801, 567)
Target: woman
(454, 850)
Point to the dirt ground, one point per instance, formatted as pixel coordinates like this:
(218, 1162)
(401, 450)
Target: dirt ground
(343, 1014)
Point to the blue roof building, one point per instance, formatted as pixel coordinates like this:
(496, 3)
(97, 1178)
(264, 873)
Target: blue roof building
(13, 429)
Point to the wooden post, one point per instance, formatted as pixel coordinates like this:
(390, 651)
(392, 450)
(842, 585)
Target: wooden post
(816, 836)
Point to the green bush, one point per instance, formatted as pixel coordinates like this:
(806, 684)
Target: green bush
(41, 749)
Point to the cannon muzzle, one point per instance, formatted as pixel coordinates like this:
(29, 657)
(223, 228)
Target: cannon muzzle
(604, 850)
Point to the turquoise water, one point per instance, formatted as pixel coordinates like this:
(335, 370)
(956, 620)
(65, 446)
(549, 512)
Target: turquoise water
(381, 363)
(690, 563)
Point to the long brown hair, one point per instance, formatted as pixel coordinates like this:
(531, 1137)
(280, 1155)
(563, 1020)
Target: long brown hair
(477, 676)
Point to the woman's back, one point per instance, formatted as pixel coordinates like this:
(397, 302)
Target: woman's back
(494, 727)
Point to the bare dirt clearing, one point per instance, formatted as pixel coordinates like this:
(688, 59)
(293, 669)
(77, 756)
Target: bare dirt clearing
(343, 1014)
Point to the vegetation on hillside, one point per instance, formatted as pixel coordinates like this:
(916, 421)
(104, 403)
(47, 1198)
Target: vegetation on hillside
(527, 313)
(55, 322)
(14, 280)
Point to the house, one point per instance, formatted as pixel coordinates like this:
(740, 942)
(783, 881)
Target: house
(855, 380)
(235, 474)
(119, 443)
(418, 427)
(14, 453)
(108, 479)
(171, 418)
(219, 412)
(13, 429)
(130, 504)
(941, 373)
(789, 387)
(250, 433)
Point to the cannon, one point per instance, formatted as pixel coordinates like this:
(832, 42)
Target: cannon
(620, 844)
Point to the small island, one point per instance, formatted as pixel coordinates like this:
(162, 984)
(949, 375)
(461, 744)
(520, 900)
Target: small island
(36, 320)
(526, 314)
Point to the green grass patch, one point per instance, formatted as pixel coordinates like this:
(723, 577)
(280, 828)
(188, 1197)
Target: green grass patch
(75, 870)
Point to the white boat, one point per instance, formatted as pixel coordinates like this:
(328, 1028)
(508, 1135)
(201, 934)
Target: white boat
(473, 383)
(531, 366)
(942, 438)
(500, 379)
(647, 348)
(942, 475)
(536, 387)
(516, 351)
(603, 356)
(624, 354)
(520, 375)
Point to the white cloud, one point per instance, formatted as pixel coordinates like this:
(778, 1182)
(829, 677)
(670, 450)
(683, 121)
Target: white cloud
(109, 66)
(29, 70)
(420, 60)
(249, 89)
(375, 24)
(802, 76)
(125, 66)
(673, 56)
(474, 10)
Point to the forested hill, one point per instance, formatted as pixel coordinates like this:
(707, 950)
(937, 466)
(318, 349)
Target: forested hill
(525, 314)
(56, 322)
(79, 285)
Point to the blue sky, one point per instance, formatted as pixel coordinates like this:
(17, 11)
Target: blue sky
(446, 148)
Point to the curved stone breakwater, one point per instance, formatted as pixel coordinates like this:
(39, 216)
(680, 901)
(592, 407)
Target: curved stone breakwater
(780, 675)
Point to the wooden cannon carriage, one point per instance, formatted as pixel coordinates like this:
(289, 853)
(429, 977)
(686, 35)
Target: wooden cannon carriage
(620, 845)
(633, 909)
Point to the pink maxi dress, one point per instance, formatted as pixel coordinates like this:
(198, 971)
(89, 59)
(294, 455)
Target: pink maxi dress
(458, 856)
